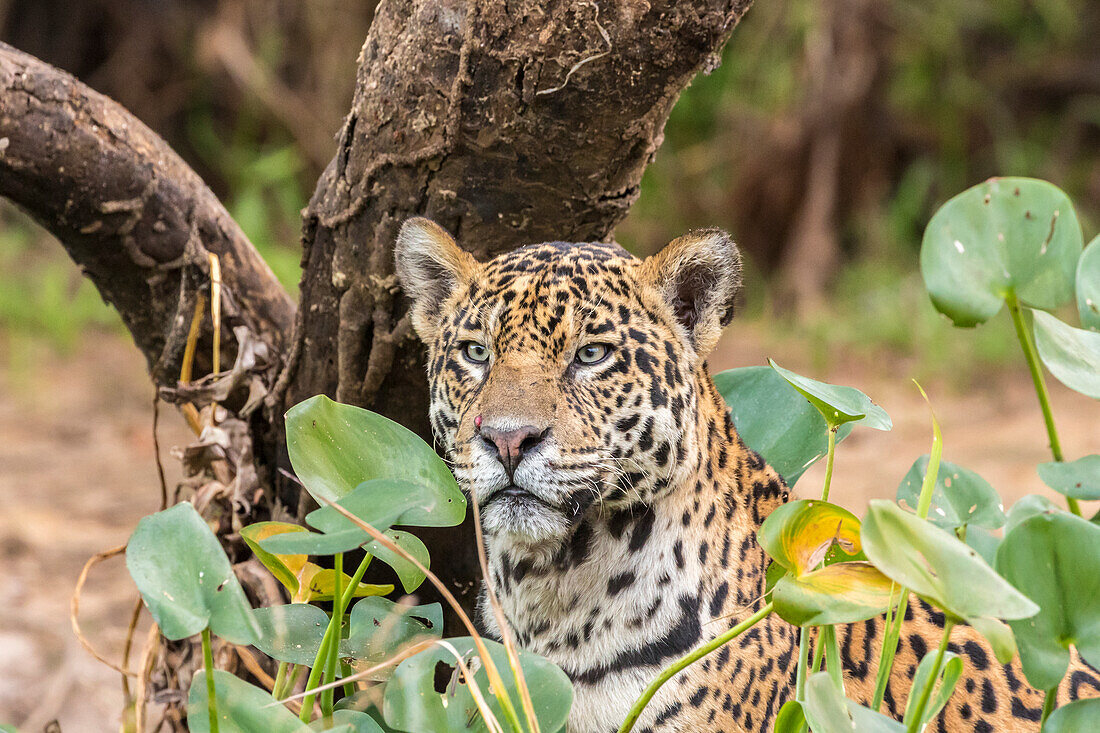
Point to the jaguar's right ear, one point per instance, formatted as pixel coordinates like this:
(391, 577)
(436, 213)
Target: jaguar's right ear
(431, 267)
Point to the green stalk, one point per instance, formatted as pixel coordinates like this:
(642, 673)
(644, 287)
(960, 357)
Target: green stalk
(889, 649)
(280, 680)
(327, 642)
(829, 462)
(328, 697)
(832, 651)
(1032, 358)
(819, 654)
(926, 693)
(211, 692)
(803, 663)
(1050, 701)
(693, 656)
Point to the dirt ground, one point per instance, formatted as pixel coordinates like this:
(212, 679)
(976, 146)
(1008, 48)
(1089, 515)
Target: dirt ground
(77, 472)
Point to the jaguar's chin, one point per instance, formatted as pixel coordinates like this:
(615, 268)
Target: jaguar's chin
(522, 517)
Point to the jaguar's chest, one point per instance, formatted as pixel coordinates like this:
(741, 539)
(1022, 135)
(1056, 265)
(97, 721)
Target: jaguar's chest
(626, 596)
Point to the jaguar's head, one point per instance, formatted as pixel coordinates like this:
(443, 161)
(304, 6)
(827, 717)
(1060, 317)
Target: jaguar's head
(566, 378)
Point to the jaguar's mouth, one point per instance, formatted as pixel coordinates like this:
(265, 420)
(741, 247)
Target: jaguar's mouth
(516, 496)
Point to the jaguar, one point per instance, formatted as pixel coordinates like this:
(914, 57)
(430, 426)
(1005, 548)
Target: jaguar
(619, 506)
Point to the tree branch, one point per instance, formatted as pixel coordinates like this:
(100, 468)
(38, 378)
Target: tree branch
(136, 219)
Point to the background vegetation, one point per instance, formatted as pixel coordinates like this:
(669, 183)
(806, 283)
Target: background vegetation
(824, 140)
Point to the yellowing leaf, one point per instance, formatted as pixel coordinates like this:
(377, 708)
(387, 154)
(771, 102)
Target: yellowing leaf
(836, 594)
(798, 535)
(285, 568)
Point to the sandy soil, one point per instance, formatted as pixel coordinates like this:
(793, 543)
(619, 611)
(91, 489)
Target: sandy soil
(77, 472)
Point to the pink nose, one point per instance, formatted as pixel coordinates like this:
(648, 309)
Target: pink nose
(512, 445)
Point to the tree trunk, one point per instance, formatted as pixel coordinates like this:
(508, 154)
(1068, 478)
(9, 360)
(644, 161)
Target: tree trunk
(506, 123)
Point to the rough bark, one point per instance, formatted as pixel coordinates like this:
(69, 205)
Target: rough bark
(507, 123)
(130, 213)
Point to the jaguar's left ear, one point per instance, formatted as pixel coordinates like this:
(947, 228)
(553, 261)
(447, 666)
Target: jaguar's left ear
(699, 276)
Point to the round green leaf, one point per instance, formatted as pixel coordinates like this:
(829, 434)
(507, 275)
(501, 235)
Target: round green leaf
(775, 420)
(829, 711)
(1071, 354)
(378, 628)
(291, 633)
(798, 534)
(998, 634)
(242, 708)
(1079, 479)
(1003, 235)
(1028, 507)
(836, 594)
(1077, 717)
(960, 496)
(1055, 559)
(837, 404)
(411, 702)
(1088, 285)
(934, 564)
(948, 677)
(185, 578)
(335, 447)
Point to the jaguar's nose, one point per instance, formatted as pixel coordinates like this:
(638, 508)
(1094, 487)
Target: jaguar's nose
(512, 445)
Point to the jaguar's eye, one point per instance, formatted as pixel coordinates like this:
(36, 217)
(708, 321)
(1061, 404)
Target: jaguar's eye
(475, 352)
(592, 353)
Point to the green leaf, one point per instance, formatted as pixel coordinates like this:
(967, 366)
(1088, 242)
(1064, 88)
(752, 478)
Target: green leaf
(791, 719)
(960, 496)
(775, 420)
(291, 633)
(836, 594)
(828, 711)
(185, 578)
(1003, 235)
(411, 702)
(242, 708)
(838, 405)
(934, 564)
(1079, 479)
(379, 628)
(334, 448)
(984, 542)
(1079, 716)
(948, 677)
(352, 721)
(998, 634)
(1028, 507)
(1088, 285)
(285, 568)
(410, 576)
(378, 502)
(321, 586)
(1071, 354)
(798, 534)
(1055, 559)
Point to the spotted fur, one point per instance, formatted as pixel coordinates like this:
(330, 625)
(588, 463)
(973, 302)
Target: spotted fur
(626, 534)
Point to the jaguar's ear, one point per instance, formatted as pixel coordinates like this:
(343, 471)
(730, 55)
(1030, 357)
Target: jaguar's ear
(699, 276)
(431, 267)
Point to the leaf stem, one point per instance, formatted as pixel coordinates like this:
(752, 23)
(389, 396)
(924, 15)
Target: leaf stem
(328, 696)
(889, 649)
(280, 680)
(926, 693)
(211, 691)
(832, 653)
(1050, 701)
(1032, 358)
(829, 462)
(803, 663)
(693, 656)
